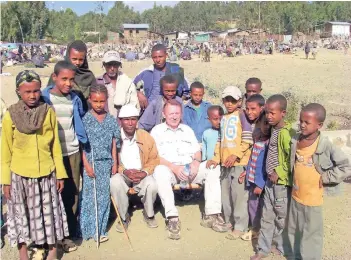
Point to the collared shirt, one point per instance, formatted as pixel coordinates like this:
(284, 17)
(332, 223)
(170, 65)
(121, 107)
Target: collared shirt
(130, 154)
(177, 146)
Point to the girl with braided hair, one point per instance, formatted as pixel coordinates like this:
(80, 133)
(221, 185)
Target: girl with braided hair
(32, 170)
(100, 161)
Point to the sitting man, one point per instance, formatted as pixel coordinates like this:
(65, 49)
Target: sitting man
(153, 114)
(180, 159)
(138, 158)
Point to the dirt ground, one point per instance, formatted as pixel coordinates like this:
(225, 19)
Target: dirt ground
(325, 80)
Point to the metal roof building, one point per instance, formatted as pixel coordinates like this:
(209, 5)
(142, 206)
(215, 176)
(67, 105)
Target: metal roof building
(135, 26)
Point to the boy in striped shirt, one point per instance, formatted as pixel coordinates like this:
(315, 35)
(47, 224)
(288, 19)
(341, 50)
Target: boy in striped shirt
(277, 191)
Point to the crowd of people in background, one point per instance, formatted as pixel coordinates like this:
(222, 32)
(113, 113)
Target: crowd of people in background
(262, 180)
(40, 54)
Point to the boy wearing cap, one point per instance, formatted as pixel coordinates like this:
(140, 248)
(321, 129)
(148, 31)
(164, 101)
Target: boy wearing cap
(138, 157)
(232, 152)
(121, 89)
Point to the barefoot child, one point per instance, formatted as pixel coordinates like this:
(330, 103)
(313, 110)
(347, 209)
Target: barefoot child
(210, 137)
(32, 170)
(69, 111)
(278, 184)
(99, 160)
(315, 161)
(233, 153)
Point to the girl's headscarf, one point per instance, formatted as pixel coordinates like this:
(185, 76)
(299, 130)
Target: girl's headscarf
(84, 77)
(27, 121)
(26, 76)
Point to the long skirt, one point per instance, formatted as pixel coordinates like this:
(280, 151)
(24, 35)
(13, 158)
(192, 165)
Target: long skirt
(35, 211)
(87, 208)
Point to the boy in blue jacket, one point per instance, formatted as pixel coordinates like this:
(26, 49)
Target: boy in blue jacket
(69, 111)
(195, 111)
(147, 81)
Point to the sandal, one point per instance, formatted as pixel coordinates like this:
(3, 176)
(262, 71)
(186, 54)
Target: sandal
(247, 236)
(103, 239)
(68, 245)
(38, 254)
(234, 235)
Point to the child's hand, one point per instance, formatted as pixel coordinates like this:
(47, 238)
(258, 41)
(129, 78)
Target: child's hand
(273, 177)
(242, 177)
(60, 185)
(90, 171)
(230, 161)
(7, 193)
(257, 191)
(210, 163)
(114, 169)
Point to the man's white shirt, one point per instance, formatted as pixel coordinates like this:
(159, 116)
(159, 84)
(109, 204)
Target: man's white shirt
(177, 146)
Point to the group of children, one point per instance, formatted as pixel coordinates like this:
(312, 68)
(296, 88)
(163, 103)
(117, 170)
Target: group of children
(46, 137)
(270, 177)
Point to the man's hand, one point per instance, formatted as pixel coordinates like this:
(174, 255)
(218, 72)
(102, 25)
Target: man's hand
(242, 177)
(60, 185)
(139, 175)
(90, 171)
(114, 168)
(230, 161)
(7, 193)
(135, 175)
(273, 177)
(211, 163)
(194, 169)
(178, 171)
(142, 100)
(257, 191)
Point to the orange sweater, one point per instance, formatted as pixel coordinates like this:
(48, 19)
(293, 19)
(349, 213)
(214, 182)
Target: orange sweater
(231, 141)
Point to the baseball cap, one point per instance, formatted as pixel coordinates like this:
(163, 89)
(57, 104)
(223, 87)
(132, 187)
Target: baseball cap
(128, 110)
(233, 92)
(111, 56)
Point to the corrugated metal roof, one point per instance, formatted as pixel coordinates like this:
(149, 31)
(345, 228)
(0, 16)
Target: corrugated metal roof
(339, 23)
(135, 26)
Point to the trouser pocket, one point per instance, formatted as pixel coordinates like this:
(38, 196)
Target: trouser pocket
(280, 204)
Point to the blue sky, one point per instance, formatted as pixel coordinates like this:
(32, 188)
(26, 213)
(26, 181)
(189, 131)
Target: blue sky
(82, 7)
